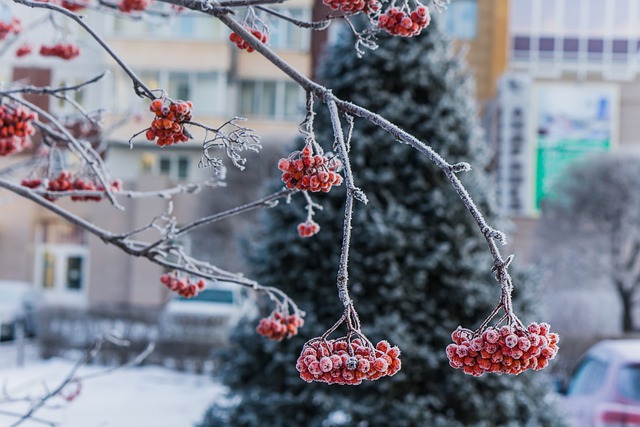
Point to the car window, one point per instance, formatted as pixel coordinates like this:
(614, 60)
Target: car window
(629, 382)
(588, 377)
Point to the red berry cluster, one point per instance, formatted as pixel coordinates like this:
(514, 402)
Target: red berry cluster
(341, 362)
(7, 28)
(304, 171)
(31, 183)
(278, 326)
(128, 6)
(80, 184)
(65, 51)
(24, 50)
(308, 228)
(354, 6)
(74, 5)
(399, 23)
(65, 182)
(504, 350)
(243, 45)
(167, 125)
(182, 285)
(16, 125)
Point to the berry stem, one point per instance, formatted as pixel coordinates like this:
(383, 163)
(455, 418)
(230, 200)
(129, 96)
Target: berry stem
(343, 277)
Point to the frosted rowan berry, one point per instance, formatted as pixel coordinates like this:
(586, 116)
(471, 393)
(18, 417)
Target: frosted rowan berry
(511, 340)
(364, 366)
(491, 336)
(326, 364)
(477, 344)
(380, 365)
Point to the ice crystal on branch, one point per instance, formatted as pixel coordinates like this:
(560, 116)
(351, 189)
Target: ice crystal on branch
(233, 139)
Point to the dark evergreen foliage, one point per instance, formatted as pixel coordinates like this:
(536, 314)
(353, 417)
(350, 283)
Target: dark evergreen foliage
(419, 265)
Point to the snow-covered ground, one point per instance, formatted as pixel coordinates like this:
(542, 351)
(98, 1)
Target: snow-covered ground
(127, 397)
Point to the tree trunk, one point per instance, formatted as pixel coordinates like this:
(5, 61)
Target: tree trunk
(627, 313)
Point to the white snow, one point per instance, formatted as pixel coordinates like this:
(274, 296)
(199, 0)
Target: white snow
(127, 397)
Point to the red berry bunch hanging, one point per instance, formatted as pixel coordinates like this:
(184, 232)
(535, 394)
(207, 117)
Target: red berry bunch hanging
(81, 184)
(279, 325)
(12, 27)
(167, 125)
(403, 23)
(354, 6)
(65, 182)
(24, 50)
(31, 183)
(128, 6)
(343, 362)
(243, 45)
(65, 51)
(183, 286)
(62, 182)
(16, 125)
(74, 5)
(304, 171)
(308, 228)
(506, 350)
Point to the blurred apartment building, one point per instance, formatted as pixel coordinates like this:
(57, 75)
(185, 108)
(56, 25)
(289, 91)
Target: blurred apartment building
(572, 87)
(192, 59)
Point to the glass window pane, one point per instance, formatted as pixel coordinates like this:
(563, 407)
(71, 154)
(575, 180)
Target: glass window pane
(268, 99)
(588, 378)
(247, 96)
(179, 86)
(629, 382)
(74, 272)
(571, 18)
(546, 44)
(292, 101)
(165, 165)
(48, 269)
(183, 167)
(206, 98)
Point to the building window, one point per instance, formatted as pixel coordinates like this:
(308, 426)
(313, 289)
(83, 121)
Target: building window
(61, 258)
(278, 100)
(207, 90)
(286, 36)
(185, 26)
(175, 167)
(461, 19)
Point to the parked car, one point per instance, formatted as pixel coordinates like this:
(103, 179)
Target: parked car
(604, 390)
(212, 312)
(19, 302)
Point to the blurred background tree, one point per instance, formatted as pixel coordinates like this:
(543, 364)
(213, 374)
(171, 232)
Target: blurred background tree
(419, 266)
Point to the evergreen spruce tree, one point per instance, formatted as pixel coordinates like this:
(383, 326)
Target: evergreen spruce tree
(419, 266)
